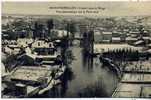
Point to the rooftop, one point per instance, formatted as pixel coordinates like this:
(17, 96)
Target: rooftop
(127, 90)
(116, 38)
(30, 73)
(131, 38)
(107, 33)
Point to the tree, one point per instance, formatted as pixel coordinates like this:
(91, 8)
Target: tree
(71, 28)
(12, 35)
(35, 30)
(50, 26)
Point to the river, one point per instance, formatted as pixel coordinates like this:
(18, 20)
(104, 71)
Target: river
(85, 77)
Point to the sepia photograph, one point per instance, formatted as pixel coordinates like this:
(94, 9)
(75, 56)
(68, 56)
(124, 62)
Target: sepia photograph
(76, 49)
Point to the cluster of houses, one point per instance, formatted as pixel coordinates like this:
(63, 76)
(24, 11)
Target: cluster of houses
(39, 60)
(44, 71)
(119, 37)
(34, 48)
(105, 41)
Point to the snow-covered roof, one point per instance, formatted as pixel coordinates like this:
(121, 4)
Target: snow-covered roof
(23, 73)
(149, 44)
(138, 42)
(149, 50)
(60, 33)
(146, 38)
(134, 32)
(105, 40)
(131, 38)
(97, 33)
(116, 38)
(107, 33)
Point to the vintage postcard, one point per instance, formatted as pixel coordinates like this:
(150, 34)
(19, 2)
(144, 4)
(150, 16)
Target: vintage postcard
(76, 49)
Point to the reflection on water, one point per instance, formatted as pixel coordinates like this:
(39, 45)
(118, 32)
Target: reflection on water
(85, 77)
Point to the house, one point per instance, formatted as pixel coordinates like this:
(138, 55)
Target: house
(11, 50)
(41, 44)
(149, 45)
(116, 40)
(107, 36)
(12, 47)
(43, 52)
(147, 39)
(28, 80)
(59, 33)
(139, 43)
(130, 39)
(116, 34)
(5, 35)
(142, 41)
(24, 42)
(123, 36)
(134, 32)
(97, 36)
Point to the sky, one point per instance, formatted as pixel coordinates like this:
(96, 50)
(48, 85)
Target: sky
(111, 8)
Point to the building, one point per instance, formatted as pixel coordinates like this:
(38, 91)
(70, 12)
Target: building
(116, 40)
(107, 36)
(59, 33)
(24, 42)
(27, 80)
(5, 35)
(149, 45)
(41, 44)
(97, 36)
(130, 39)
(11, 47)
(43, 52)
(116, 34)
(134, 32)
(139, 43)
(147, 39)
(123, 36)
